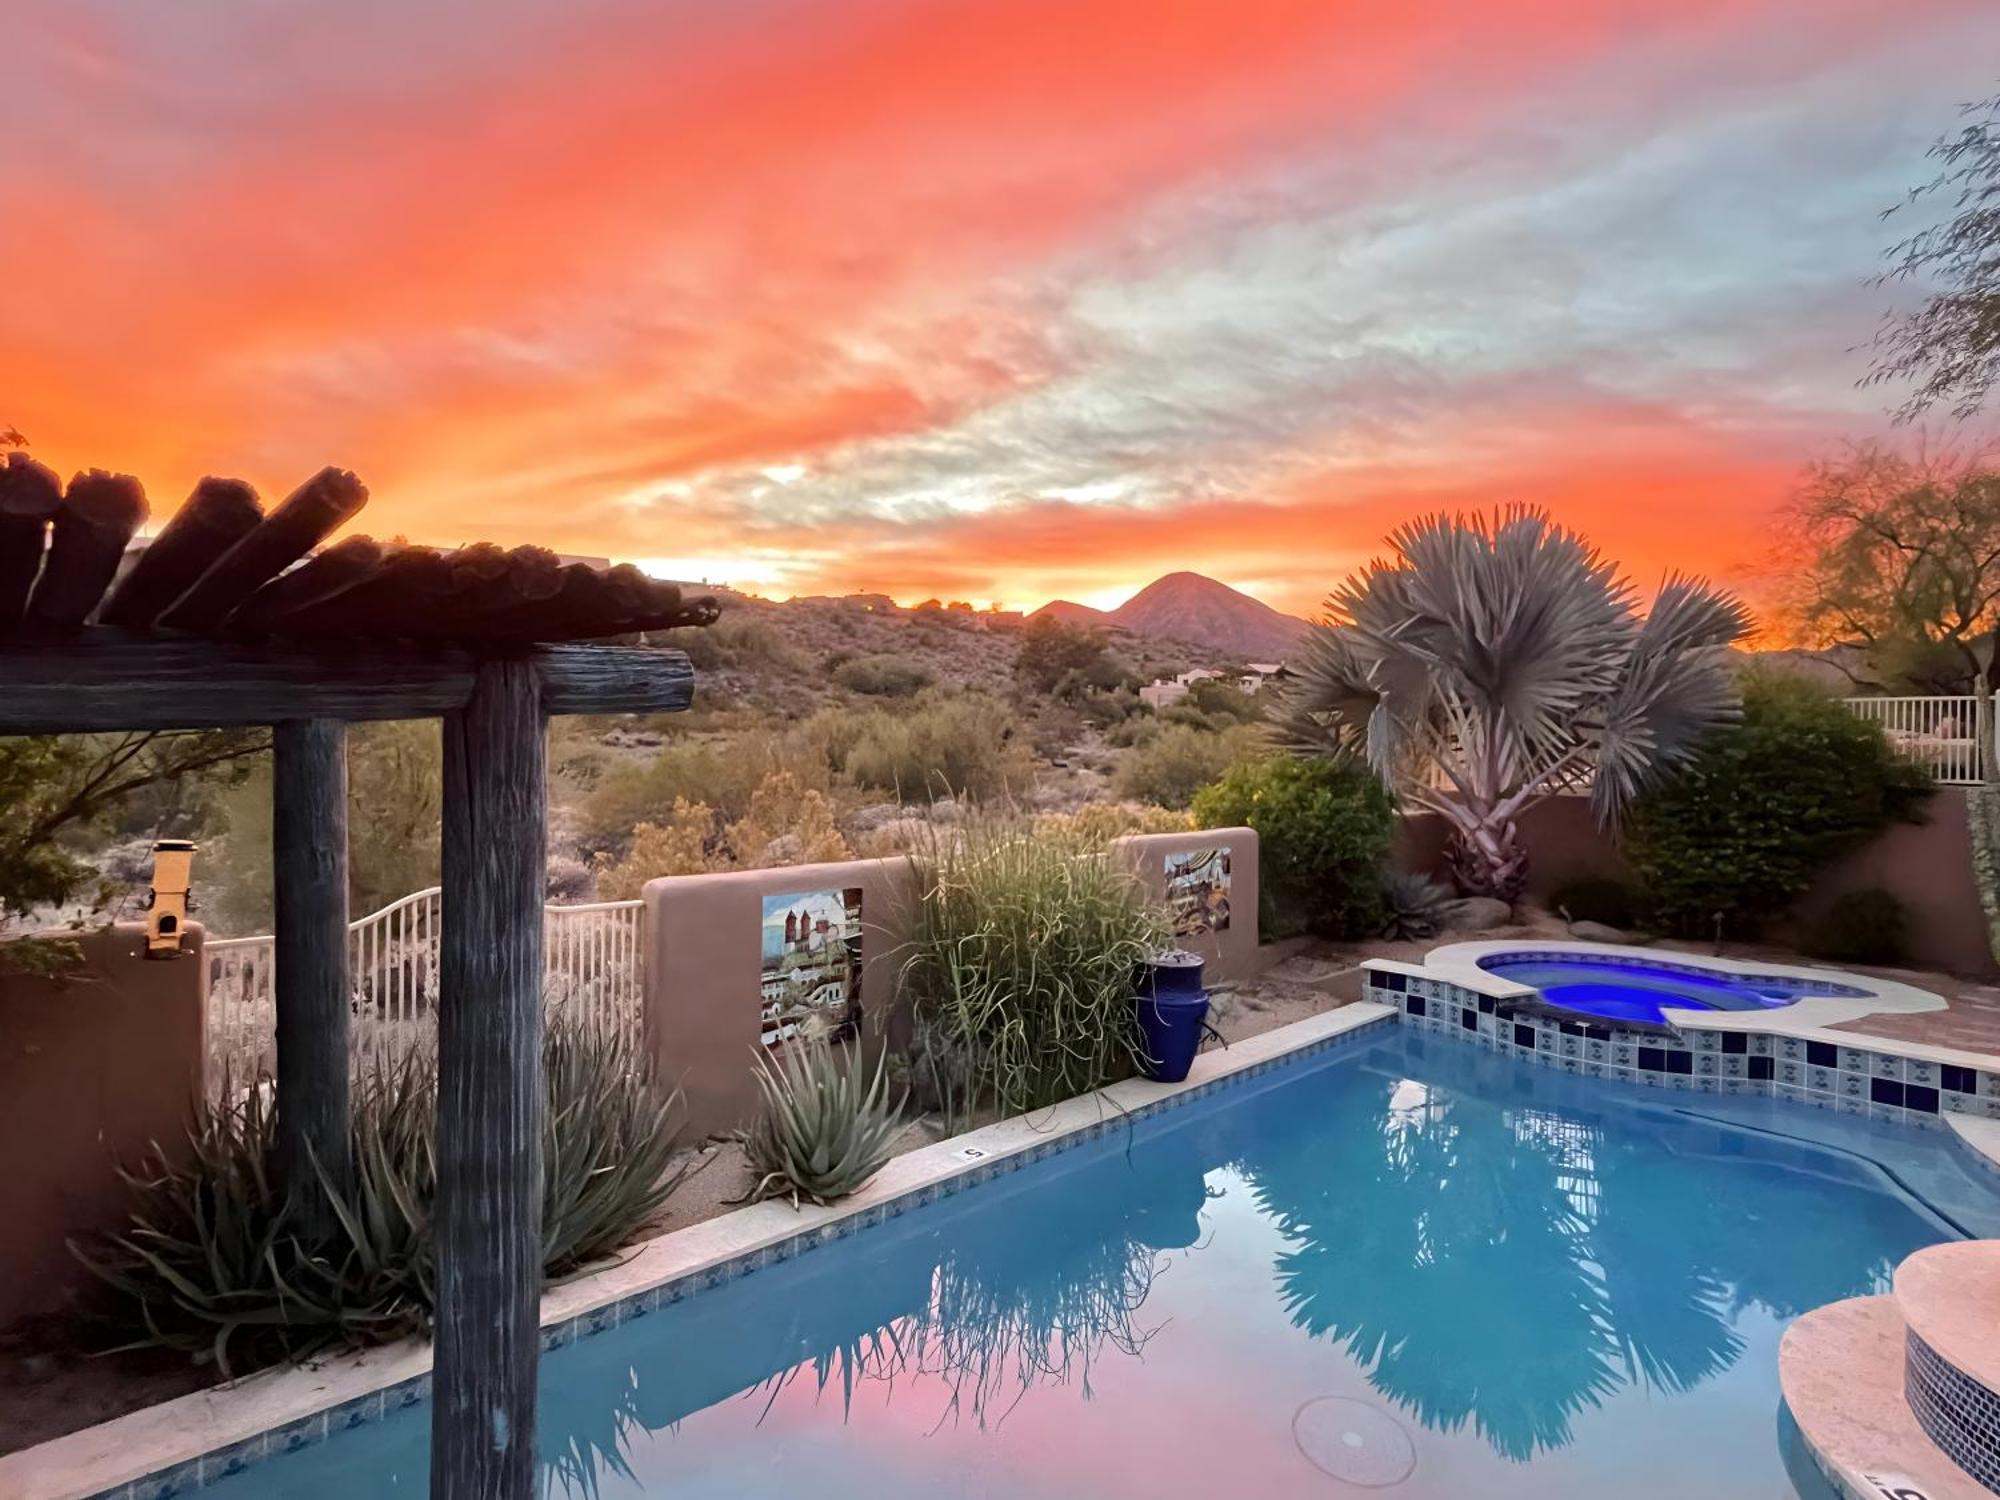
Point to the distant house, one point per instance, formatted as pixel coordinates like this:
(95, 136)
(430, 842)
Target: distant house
(1259, 673)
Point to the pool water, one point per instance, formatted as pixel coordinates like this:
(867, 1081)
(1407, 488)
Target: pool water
(1640, 992)
(1409, 1267)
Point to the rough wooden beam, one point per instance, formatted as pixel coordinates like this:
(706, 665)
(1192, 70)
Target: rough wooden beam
(305, 518)
(339, 568)
(29, 496)
(87, 538)
(410, 583)
(489, 1231)
(218, 515)
(309, 884)
(99, 679)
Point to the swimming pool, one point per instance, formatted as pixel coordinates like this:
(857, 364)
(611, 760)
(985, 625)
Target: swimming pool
(1624, 989)
(1409, 1265)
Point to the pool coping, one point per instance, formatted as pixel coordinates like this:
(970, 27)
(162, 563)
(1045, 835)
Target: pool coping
(182, 1445)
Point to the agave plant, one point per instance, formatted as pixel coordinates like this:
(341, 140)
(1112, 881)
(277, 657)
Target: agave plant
(824, 1128)
(1413, 906)
(1491, 663)
(218, 1260)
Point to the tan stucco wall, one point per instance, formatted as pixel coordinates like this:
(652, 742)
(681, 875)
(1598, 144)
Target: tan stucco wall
(1928, 866)
(703, 968)
(93, 1068)
(1229, 954)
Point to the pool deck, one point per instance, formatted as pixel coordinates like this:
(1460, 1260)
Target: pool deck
(1971, 1023)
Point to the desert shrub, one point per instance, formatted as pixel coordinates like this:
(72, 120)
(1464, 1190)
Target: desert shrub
(1598, 898)
(785, 823)
(1739, 833)
(1061, 660)
(883, 676)
(1859, 927)
(684, 843)
(823, 1126)
(219, 1261)
(1169, 767)
(1100, 822)
(395, 798)
(720, 774)
(964, 744)
(1021, 963)
(1323, 828)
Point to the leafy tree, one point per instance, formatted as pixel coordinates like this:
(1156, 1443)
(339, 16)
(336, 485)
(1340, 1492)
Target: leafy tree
(58, 789)
(1899, 555)
(1492, 663)
(1742, 830)
(1950, 343)
(1065, 660)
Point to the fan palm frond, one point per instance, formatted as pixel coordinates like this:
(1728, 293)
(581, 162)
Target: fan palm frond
(1492, 661)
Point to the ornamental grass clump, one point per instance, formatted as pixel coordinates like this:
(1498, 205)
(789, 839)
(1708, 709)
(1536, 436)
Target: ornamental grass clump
(222, 1261)
(825, 1125)
(1022, 960)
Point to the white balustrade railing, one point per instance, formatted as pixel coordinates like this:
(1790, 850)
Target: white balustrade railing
(1942, 734)
(592, 957)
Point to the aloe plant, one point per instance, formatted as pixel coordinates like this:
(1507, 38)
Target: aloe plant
(825, 1124)
(1413, 906)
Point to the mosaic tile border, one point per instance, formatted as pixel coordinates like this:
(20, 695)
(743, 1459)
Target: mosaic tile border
(1956, 1412)
(195, 1474)
(1793, 983)
(1848, 1080)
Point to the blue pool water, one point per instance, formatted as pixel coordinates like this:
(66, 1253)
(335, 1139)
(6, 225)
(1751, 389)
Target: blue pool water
(1627, 991)
(1413, 1263)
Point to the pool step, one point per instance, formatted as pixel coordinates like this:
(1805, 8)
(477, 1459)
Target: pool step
(1894, 1395)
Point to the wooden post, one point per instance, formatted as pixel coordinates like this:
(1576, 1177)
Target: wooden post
(309, 880)
(489, 1202)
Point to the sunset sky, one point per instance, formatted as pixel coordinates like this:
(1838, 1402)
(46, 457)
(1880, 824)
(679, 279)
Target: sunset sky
(996, 301)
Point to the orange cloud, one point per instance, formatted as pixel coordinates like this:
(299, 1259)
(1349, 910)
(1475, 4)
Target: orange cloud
(583, 275)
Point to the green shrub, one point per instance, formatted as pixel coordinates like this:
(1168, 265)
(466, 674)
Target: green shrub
(1860, 927)
(961, 744)
(823, 1127)
(1324, 826)
(1598, 898)
(1021, 963)
(883, 676)
(1741, 831)
(218, 1261)
(1167, 768)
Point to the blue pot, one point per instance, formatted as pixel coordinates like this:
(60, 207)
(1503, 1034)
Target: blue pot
(1173, 1009)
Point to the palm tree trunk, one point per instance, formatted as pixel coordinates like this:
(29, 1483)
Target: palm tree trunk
(1488, 860)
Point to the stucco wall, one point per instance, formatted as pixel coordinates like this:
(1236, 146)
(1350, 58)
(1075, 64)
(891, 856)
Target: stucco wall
(93, 1068)
(1232, 952)
(703, 971)
(1928, 866)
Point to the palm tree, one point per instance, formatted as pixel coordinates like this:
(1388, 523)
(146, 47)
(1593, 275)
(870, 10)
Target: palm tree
(1492, 662)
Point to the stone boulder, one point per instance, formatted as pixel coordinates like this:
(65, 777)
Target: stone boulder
(1597, 932)
(1476, 914)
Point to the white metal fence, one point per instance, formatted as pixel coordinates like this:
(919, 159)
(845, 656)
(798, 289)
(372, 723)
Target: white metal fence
(1942, 734)
(591, 954)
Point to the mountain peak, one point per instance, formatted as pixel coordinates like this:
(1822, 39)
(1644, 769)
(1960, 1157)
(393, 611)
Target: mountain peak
(1201, 611)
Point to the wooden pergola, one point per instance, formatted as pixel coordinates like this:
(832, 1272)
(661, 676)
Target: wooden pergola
(230, 618)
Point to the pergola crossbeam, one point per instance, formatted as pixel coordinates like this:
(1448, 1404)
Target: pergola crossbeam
(103, 680)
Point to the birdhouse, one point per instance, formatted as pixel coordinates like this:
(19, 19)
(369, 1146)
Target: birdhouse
(167, 902)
